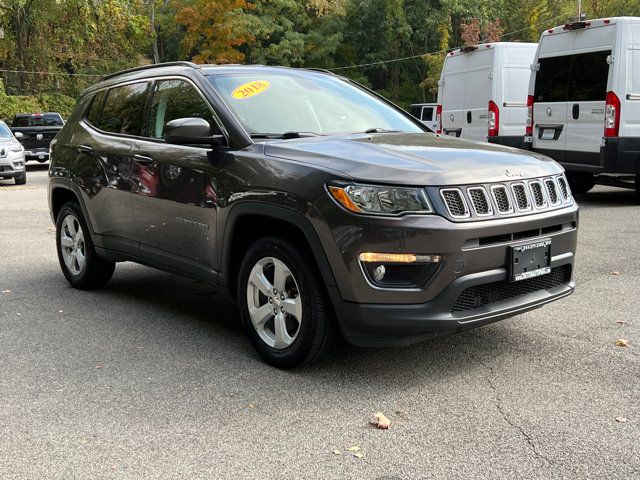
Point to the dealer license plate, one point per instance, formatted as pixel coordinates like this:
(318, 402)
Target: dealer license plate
(530, 260)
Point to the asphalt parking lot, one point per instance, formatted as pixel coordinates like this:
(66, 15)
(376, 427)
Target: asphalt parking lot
(153, 378)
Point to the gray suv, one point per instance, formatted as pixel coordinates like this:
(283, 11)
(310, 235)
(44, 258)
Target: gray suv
(324, 209)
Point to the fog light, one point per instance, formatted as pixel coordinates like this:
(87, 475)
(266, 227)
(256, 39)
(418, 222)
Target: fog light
(379, 272)
(369, 257)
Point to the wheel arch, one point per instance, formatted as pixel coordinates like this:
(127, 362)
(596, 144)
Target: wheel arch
(247, 222)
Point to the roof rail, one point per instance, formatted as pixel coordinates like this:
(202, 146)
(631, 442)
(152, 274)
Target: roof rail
(153, 65)
(321, 70)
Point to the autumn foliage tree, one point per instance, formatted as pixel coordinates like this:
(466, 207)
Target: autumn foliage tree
(214, 29)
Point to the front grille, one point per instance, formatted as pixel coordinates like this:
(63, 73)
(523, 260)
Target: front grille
(551, 190)
(502, 199)
(563, 188)
(455, 202)
(538, 194)
(482, 295)
(480, 200)
(522, 199)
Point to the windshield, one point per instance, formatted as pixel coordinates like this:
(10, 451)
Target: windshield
(4, 131)
(278, 103)
(38, 121)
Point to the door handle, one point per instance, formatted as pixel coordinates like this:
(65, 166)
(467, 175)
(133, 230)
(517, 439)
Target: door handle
(469, 117)
(575, 111)
(85, 149)
(143, 159)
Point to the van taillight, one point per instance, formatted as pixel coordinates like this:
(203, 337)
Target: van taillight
(494, 119)
(529, 124)
(612, 115)
(439, 119)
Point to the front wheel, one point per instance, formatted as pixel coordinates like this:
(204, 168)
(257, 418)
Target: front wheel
(21, 179)
(283, 305)
(80, 264)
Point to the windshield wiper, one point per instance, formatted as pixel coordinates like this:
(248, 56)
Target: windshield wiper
(379, 130)
(285, 135)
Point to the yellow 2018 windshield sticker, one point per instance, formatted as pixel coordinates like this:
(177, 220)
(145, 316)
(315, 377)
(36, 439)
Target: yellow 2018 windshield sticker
(250, 89)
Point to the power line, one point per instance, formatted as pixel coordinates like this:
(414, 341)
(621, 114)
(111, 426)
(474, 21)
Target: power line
(53, 73)
(401, 59)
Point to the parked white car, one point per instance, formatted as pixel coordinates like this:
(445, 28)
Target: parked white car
(12, 164)
(482, 92)
(584, 101)
(426, 113)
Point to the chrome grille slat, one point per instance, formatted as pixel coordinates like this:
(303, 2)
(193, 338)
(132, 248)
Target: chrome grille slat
(552, 191)
(521, 197)
(500, 195)
(564, 189)
(480, 201)
(455, 202)
(538, 194)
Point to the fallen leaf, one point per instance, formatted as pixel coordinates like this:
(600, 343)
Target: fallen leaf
(337, 452)
(252, 405)
(355, 448)
(98, 366)
(380, 421)
(615, 273)
(6, 291)
(621, 342)
(621, 420)
(358, 454)
(622, 322)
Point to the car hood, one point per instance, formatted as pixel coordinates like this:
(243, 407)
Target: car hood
(414, 158)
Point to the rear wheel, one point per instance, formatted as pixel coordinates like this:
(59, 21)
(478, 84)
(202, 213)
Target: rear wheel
(80, 264)
(580, 182)
(283, 305)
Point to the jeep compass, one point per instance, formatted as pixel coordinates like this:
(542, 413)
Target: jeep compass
(325, 210)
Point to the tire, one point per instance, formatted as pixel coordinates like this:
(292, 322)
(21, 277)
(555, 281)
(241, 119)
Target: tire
(87, 273)
(580, 182)
(21, 180)
(310, 338)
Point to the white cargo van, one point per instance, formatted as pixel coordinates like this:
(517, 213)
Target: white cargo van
(482, 92)
(584, 101)
(426, 113)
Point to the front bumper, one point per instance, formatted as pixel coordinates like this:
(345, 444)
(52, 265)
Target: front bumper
(516, 141)
(37, 154)
(12, 166)
(473, 254)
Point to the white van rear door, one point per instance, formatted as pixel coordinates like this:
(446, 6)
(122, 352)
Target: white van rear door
(477, 95)
(513, 110)
(587, 94)
(453, 102)
(550, 108)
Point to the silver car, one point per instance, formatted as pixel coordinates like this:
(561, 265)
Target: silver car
(11, 156)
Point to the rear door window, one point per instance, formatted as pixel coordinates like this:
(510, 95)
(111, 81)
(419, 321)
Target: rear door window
(552, 79)
(427, 114)
(122, 111)
(589, 74)
(173, 99)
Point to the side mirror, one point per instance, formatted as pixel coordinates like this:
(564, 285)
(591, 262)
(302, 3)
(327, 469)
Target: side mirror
(190, 131)
(18, 135)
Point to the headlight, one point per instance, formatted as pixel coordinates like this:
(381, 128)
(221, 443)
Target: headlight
(17, 149)
(380, 200)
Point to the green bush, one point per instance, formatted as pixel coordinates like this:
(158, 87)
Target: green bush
(46, 102)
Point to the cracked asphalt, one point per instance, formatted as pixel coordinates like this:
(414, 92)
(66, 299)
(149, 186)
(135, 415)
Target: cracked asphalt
(152, 377)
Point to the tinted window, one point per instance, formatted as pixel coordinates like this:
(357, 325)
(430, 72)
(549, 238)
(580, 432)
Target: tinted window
(589, 72)
(4, 131)
(96, 108)
(123, 108)
(174, 99)
(38, 120)
(552, 80)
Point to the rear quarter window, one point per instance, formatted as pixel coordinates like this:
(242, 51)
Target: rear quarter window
(95, 110)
